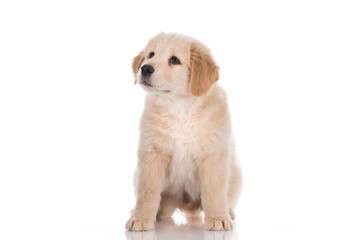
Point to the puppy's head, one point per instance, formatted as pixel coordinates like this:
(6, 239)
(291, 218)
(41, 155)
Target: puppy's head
(175, 64)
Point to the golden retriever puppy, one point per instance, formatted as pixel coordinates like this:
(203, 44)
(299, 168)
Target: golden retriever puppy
(186, 156)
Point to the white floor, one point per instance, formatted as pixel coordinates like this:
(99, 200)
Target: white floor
(171, 230)
(264, 223)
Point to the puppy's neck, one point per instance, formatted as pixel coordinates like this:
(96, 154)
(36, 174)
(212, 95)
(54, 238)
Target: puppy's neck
(183, 106)
(176, 105)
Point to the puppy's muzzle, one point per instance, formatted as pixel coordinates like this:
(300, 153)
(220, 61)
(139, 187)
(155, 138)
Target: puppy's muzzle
(147, 70)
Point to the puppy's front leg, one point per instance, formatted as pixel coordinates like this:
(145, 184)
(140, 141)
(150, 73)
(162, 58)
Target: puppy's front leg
(214, 185)
(150, 179)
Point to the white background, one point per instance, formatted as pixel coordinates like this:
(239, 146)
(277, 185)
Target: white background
(69, 113)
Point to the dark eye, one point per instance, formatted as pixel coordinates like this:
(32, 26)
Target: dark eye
(174, 60)
(151, 54)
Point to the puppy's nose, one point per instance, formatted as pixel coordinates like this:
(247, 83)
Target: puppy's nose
(147, 70)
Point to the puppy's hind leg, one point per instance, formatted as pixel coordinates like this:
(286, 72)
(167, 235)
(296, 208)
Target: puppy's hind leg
(167, 207)
(193, 216)
(235, 183)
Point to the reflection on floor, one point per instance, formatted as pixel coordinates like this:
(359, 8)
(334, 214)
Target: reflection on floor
(167, 229)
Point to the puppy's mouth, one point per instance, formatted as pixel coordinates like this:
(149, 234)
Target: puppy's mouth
(151, 85)
(146, 83)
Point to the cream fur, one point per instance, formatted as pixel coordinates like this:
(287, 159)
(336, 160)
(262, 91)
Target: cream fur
(186, 147)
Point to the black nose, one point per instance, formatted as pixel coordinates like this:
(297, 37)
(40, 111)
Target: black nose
(147, 70)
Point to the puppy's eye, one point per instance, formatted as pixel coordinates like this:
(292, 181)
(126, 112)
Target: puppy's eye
(151, 54)
(174, 60)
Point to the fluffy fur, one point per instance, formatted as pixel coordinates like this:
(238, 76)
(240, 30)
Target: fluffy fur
(186, 156)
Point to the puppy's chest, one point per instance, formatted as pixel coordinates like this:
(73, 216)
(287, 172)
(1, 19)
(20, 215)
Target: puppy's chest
(182, 167)
(184, 134)
(186, 129)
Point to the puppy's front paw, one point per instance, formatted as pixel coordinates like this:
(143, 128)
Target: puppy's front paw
(218, 224)
(139, 224)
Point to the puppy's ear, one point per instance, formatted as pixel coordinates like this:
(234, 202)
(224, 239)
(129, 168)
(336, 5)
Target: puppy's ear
(203, 70)
(137, 61)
